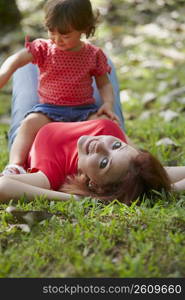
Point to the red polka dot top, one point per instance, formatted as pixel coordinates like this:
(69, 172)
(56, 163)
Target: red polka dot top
(66, 76)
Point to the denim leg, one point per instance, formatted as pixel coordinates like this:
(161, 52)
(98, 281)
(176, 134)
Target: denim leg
(114, 80)
(24, 96)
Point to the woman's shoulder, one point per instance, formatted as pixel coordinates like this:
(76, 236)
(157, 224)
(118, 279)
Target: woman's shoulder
(110, 127)
(107, 123)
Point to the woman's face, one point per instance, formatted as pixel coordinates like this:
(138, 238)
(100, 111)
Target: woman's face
(104, 159)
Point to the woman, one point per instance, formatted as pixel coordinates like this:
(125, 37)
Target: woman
(97, 156)
(96, 150)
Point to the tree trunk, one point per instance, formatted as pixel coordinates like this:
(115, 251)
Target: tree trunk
(9, 15)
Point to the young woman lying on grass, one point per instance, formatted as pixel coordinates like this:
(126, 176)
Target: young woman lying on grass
(99, 160)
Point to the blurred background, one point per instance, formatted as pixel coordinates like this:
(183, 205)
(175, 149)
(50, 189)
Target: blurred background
(145, 39)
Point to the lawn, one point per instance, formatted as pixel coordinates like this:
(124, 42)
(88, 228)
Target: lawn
(91, 239)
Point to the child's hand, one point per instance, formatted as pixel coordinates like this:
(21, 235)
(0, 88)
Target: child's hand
(107, 109)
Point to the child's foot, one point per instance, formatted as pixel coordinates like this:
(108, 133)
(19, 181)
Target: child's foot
(13, 170)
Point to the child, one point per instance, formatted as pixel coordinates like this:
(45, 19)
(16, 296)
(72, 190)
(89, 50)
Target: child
(67, 65)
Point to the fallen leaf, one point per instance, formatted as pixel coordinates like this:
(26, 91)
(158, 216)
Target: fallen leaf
(28, 217)
(162, 86)
(129, 40)
(167, 142)
(23, 227)
(172, 53)
(181, 100)
(148, 99)
(124, 96)
(172, 95)
(152, 30)
(145, 115)
(130, 116)
(169, 115)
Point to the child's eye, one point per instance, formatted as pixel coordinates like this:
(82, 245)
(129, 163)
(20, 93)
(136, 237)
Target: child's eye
(116, 145)
(104, 163)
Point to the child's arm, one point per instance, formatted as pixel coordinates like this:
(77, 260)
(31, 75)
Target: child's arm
(107, 95)
(12, 63)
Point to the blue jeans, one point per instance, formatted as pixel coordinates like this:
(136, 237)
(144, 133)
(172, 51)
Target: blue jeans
(25, 96)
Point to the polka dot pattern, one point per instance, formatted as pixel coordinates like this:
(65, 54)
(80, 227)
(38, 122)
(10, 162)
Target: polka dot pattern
(66, 76)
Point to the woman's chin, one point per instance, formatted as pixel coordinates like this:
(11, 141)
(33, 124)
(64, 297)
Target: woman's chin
(82, 139)
(81, 142)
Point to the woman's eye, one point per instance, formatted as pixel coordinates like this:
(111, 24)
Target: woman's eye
(104, 163)
(116, 145)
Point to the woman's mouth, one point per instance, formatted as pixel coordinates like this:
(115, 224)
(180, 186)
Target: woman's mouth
(91, 146)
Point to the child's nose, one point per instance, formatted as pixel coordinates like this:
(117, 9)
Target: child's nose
(58, 39)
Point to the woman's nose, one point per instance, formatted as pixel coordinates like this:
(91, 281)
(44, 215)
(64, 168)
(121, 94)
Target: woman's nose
(101, 147)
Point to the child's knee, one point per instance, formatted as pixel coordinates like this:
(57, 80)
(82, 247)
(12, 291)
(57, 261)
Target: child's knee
(3, 186)
(27, 123)
(34, 122)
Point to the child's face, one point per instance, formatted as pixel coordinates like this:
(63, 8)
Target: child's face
(66, 42)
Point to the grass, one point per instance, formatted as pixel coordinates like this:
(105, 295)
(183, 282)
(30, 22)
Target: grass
(88, 238)
(94, 240)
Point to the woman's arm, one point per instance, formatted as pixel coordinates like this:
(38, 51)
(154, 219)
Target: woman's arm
(177, 177)
(12, 63)
(179, 185)
(29, 185)
(175, 173)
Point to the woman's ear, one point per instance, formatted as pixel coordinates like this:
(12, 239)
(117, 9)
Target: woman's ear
(92, 186)
(95, 188)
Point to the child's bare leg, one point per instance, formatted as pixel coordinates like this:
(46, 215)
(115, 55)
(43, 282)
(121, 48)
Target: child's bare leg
(25, 137)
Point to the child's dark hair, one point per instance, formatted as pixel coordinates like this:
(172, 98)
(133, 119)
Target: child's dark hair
(67, 15)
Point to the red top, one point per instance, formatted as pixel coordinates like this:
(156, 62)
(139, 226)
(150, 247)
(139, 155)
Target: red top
(66, 76)
(54, 151)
